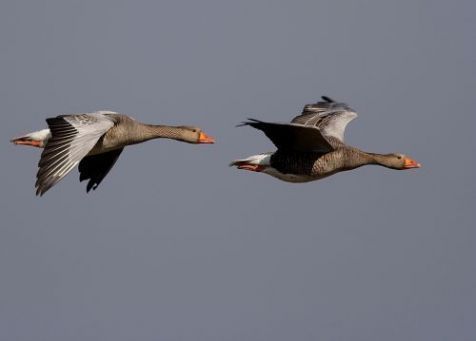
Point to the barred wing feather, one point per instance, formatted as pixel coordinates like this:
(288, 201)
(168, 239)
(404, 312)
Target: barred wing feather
(73, 137)
(329, 116)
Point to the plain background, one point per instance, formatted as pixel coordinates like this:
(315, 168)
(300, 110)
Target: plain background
(174, 244)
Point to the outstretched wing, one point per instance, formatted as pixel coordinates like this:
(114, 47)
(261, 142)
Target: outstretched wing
(96, 167)
(292, 136)
(329, 116)
(72, 138)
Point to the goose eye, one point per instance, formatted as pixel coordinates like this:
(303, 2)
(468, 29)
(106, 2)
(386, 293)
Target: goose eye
(399, 157)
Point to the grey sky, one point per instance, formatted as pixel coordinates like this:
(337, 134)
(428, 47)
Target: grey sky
(174, 244)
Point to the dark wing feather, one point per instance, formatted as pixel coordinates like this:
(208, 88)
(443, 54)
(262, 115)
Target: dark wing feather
(96, 167)
(292, 136)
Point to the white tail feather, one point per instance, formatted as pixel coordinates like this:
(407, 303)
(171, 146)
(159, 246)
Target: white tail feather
(260, 159)
(37, 138)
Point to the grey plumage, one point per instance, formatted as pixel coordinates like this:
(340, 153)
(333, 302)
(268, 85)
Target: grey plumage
(94, 141)
(312, 146)
(330, 117)
(72, 138)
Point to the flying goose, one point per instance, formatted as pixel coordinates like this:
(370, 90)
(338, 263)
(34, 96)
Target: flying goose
(312, 146)
(94, 141)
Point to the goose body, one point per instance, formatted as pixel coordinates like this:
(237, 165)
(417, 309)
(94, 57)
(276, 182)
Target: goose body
(312, 146)
(94, 141)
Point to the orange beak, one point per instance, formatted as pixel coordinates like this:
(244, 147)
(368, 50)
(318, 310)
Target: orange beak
(204, 138)
(409, 163)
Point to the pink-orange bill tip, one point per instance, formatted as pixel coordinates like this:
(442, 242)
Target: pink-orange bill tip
(410, 163)
(204, 138)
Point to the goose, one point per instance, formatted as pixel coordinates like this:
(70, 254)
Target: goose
(94, 141)
(312, 146)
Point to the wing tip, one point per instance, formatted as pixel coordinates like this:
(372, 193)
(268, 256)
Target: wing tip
(250, 122)
(327, 99)
(42, 189)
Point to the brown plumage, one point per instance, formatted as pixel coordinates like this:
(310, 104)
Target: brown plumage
(94, 141)
(312, 146)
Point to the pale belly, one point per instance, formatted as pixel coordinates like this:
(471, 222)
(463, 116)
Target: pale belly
(295, 178)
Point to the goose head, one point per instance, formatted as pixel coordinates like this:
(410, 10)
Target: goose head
(194, 135)
(398, 161)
